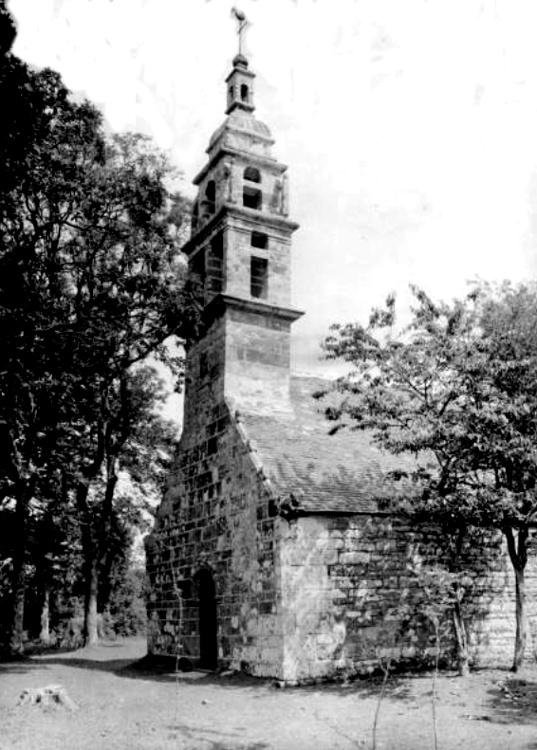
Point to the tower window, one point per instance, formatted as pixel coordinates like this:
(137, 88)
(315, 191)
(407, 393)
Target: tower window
(251, 198)
(252, 174)
(210, 196)
(259, 239)
(215, 264)
(204, 369)
(195, 215)
(230, 92)
(258, 277)
(244, 92)
(197, 267)
(210, 190)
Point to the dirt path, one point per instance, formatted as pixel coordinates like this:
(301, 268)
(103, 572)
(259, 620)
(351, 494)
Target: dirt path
(124, 707)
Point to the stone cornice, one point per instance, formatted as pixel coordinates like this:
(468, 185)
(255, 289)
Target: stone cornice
(222, 302)
(259, 218)
(247, 156)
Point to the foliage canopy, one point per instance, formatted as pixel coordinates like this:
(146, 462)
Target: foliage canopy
(457, 389)
(92, 283)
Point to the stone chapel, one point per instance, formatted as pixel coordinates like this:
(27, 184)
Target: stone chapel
(271, 551)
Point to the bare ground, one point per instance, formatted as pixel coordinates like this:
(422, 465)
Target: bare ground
(122, 705)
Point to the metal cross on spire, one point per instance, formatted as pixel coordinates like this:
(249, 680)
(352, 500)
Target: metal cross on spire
(243, 23)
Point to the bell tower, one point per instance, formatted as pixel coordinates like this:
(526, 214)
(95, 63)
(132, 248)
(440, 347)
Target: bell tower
(214, 555)
(240, 89)
(240, 250)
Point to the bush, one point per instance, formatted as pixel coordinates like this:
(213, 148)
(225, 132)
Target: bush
(127, 613)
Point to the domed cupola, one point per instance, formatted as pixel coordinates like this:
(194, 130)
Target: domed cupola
(242, 131)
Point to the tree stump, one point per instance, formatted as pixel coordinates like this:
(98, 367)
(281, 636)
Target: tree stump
(49, 695)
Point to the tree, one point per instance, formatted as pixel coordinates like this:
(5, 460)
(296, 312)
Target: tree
(127, 433)
(7, 29)
(56, 560)
(31, 299)
(91, 283)
(457, 389)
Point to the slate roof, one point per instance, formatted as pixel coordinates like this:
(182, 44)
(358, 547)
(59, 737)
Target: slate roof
(340, 473)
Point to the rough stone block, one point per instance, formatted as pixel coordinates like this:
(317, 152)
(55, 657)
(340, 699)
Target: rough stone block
(354, 558)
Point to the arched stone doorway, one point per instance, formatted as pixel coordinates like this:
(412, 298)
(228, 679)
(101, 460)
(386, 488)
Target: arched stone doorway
(208, 625)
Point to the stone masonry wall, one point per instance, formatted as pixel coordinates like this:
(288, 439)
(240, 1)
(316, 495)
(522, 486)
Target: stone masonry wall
(277, 252)
(216, 516)
(257, 362)
(345, 579)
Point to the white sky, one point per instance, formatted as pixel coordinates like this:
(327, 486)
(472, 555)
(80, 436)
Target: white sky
(409, 126)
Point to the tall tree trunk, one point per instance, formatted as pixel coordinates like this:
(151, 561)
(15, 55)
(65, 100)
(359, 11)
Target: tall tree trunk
(45, 566)
(95, 536)
(44, 635)
(462, 641)
(18, 582)
(106, 552)
(521, 622)
(105, 586)
(91, 631)
(91, 580)
(461, 633)
(518, 554)
(95, 527)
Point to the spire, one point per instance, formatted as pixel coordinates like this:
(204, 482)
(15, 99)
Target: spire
(240, 82)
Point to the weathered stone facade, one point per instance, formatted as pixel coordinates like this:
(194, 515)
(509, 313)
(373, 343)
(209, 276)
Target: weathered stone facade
(215, 532)
(302, 596)
(271, 550)
(349, 579)
(216, 517)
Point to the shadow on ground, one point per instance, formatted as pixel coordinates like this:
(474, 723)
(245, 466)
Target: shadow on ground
(397, 687)
(16, 667)
(514, 701)
(216, 740)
